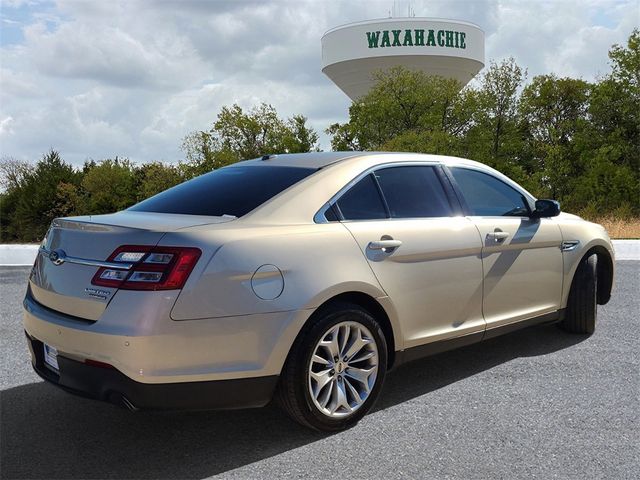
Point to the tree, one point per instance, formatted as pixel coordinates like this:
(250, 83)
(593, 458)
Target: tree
(611, 140)
(344, 137)
(155, 177)
(402, 101)
(67, 201)
(238, 135)
(553, 114)
(605, 187)
(495, 138)
(31, 205)
(13, 172)
(299, 138)
(199, 149)
(625, 63)
(109, 186)
(615, 104)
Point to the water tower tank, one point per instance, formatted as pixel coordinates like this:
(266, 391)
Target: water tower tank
(352, 53)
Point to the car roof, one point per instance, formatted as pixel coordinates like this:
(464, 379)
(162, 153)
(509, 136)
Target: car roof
(308, 160)
(303, 199)
(323, 159)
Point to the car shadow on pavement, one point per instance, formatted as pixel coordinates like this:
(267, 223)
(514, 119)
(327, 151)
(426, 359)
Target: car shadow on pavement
(46, 433)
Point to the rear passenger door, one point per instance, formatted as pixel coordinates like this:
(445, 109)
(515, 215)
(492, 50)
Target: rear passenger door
(521, 255)
(426, 258)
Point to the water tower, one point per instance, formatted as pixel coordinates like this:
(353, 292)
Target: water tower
(352, 53)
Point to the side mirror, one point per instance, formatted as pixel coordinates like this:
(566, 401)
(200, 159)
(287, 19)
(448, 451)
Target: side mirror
(546, 208)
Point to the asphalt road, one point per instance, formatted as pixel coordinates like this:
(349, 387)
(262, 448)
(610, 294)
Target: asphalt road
(538, 403)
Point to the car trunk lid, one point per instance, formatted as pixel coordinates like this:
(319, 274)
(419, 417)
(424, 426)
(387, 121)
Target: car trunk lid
(66, 286)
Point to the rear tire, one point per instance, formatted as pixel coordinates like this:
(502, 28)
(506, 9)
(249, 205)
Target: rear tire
(582, 309)
(334, 395)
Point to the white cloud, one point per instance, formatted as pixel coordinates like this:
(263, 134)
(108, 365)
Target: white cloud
(17, 85)
(18, 3)
(5, 126)
(560, 37)
(96, 79)
(111, 55)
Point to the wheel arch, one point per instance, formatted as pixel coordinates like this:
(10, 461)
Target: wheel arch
(375, 307)
(604, 272)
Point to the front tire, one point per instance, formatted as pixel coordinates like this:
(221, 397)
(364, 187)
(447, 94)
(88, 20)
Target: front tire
(582, 309)
(335, 369)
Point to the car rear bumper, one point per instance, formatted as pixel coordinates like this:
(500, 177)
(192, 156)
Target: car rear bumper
(108, 384)
(138, 338)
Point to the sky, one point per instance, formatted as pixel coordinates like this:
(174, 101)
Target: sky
(96, 79)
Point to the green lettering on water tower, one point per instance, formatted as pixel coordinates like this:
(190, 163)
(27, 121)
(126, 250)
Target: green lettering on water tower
(435, 38)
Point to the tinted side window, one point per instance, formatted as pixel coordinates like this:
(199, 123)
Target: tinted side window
(362, 201)
(413, 192)
(488, 196)
(330, 214)
(231, 190)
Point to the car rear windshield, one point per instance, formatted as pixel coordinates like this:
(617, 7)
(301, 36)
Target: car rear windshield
(227, 191)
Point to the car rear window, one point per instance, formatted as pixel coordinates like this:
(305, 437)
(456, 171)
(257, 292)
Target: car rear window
(226, 191)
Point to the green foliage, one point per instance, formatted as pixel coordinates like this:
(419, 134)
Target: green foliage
(199, 150)
(343, 137)
(436, 142)
(35, 195)
(109, 185)
(156, 177)
(298, 137)
(495, 138)
(610, 140)
(29, 206)
(625, 63)
(553, 114)
(402, 101)
(607, 186)
(238, 135)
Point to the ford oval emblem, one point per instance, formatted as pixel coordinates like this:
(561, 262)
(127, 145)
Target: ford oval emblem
(57, 257)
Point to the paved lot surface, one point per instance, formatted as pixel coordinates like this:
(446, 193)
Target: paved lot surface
(538, 403)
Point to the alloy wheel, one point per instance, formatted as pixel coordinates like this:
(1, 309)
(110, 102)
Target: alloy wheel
(343, 369)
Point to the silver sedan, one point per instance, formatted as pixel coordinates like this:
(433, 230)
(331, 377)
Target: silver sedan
(303, 277)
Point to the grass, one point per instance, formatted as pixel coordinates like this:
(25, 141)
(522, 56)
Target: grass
(621, 228)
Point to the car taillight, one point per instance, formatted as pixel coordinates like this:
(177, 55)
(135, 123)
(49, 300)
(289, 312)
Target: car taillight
(153, 268)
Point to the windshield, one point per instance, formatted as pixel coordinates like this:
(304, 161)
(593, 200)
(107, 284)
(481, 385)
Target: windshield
(233, 191)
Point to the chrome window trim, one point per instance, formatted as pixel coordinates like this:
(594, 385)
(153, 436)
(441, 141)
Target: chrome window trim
(399, 219)
(319, 216)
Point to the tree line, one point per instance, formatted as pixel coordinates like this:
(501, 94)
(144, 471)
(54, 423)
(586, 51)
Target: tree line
(36, 194)
(562, 138)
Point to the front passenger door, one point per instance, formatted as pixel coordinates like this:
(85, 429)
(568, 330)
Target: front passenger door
(521, 255)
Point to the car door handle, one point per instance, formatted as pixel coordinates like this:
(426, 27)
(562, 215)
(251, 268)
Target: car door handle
(386, 246)
(497, 237)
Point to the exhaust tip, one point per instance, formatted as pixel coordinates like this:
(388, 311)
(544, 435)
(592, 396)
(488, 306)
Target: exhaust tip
(119, 399)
